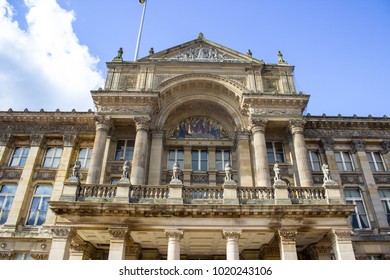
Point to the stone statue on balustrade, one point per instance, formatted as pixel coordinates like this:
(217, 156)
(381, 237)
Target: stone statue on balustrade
(176, 173)
(125, 172)
(277, 175)
(75, 178)
(327, 179)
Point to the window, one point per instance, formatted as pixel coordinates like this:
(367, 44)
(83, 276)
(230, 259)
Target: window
(22, 256)
(124, 150)
(52, 157)
(199, 160)
(19, 156)
(344, 161)
(221, 158)
(376, 161)
(39, 206)
(359, 217)
(175, 155)
(85, 157)
(384, 194)
(315, 161)
(7, 193)
(275, 152)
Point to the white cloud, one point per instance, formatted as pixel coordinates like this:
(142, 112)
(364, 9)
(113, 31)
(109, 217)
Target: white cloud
(44, 66)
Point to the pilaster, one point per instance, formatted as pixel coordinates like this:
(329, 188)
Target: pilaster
(244, 158)
(327, 146)
(287, 244)
(6, 142)
(342, 244)
(156, 157)
(62, 237)
(118, 239)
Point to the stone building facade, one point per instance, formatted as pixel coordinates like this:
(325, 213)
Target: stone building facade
(194, 152)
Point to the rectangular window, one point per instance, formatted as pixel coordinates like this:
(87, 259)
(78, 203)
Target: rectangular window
(384, 194)
(275, 152)
(221, 158)
(173, 156)
(85, 155)
(376, 161)
(39, 206)
(359, 217)
(21, 256)
(52, 157)
(315, 160)
(124, 150)
(19, 156)
(7, 194)
(199, 160)
(344, 161)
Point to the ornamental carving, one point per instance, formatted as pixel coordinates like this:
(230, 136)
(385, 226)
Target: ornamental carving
(199, 127)
(11, 174)
(103, 122)
(385, 145)
(28, 128)
(327, 144)
(382, 179)
(258, 124)
(6, 140)
(287, 236)
(128, 82)
(63, 232)
(142, 123)
(231, 235)
(199, 178)
(341, 235)
(45, 175)
(70, 140)
(332, 133)
(270, 85)
(37, 140)
(126, 109)
(203, 54)
(174, 234)
(118, 233)
(358, 145)
(351, 179)
(40, 256)
(275, 112)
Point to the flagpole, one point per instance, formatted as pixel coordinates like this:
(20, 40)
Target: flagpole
(140, 31)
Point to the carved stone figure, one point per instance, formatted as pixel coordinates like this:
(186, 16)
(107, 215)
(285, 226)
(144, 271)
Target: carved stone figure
(277, 172)
(76, 170)
(176, 171)
(126, 170)
(325, 171)
(280, 58)
(228, 172)
(119, 56)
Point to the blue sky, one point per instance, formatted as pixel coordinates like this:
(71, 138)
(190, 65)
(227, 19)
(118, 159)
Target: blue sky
(52, 53)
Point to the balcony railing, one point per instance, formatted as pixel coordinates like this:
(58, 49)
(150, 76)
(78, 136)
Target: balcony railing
(204, 194)
(307, 195)
(101, 192)
(148, 194)
(255, 195)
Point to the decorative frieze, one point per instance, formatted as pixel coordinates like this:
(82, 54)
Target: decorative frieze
(382, 179)
(63, 232)
(274, 112)
(11, 174)
(351, 178)
(70, 140)
(45, 175)
(128, 82)
(39, 256)
(28, 128)
(200, 178)
(119, 233)
(346, 133)
(126, 109)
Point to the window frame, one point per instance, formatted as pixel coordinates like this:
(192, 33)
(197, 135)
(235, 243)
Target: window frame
(372, 160)
(312, 162)
(20, 157)
(199, 160)
(38, 210)
(5, 202)
(385, 202)
(223, 160)
(87, 159)
(126, 145)
(52, 158)
(344, 162)
(274, 153)
(180, 161)
(356, 211)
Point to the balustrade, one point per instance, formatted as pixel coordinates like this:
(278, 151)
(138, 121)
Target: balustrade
(307, 195)
(253, 194)
(89, 191)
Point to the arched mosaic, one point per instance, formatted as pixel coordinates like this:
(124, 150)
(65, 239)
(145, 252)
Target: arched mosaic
(199, 127)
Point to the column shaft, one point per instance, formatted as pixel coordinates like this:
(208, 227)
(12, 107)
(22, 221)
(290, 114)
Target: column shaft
(232, 249)
(260, 153)
(174, 237)
(61, 241)
(155, 158)
(138, 170)
(244, 159)
(303, 165)
(118, 242)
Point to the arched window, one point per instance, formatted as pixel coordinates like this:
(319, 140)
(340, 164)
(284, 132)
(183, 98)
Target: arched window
(39, 206)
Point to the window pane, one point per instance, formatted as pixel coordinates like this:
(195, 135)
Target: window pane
(17, 152)
(56, 162)
(218, 155)
(4, 217)
(270, 152)
(384, 193)
(2, 199)
(31, 218)
(9, 189)
(50, 152)
(82, 153)
(26, 150)
(352, 193)
(58, 152)
(203, 165)
(44, 204)
(204, 155)
(180, 155)
(41, 218)
(8, 203)
(120, 148)
(22, 162)
(46, 190)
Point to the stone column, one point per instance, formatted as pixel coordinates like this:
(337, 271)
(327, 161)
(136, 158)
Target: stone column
(304, 172)
(138, 170)
(232, 249)
(22, 193)
(287, 243)
(105, 159)
(372, 201)
(62, 237)
(260, 153)
(174, 237)
(95, 167)
(118, 239)
(62, 174)
(342, 244)
(81, 251)
(156, 157)
(6, 142)
(244, 159)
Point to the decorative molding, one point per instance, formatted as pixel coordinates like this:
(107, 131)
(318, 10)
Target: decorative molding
(37, 140)
(385, 145)
(63, 232)
(6, 140)
(287, 235)
(351, 178)
(45, 175)
(199, 178)
(358, 145)
(327, 144)
(126, 109)
(274, 112)
(39, 256)
(382, 179)
(341, 235)
(70, 140)
(202, 53)
(346, 133)
(120, 233)
(142, 123)
(11, 174)
(231, 235)
(271, 84)
(128, 82)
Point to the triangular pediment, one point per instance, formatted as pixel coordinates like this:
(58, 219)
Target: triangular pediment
(201, 50)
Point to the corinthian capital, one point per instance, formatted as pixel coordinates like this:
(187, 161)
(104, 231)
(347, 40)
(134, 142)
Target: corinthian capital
(63, 232)
(358, 145)
(258, 124)
(287, 235)
(174, 234)
(103, 122)
(297, 126)
(231, 235)
(142, 123)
